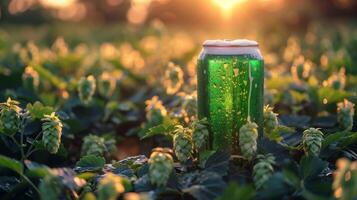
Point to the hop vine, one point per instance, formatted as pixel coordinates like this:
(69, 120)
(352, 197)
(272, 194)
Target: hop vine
(270, 120)
(263, 170)
(161, 165)
(10, 120)
(93, 145)
(182, 143)
(312, 141)
(86, 89)
(248, 135)
(200, 133)
(52, 132)
(345, 113)
(110, 187)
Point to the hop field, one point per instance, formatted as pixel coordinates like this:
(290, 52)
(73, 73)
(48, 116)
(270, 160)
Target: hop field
(111, 113)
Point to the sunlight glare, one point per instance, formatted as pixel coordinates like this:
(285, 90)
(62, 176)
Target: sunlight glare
(57, 3)
(226, 6)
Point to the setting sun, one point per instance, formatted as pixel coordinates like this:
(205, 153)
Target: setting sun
(227, 6)
(57, 3)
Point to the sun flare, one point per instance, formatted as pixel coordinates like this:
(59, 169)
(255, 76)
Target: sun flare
(227, 6)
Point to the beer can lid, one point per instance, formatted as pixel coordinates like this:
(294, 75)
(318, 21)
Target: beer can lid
(230, 43)
(231, 47)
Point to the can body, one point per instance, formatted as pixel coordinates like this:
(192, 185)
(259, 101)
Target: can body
(230, 92)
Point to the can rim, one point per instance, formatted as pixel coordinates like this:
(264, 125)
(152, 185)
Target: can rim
(228, 43)
(228, 46)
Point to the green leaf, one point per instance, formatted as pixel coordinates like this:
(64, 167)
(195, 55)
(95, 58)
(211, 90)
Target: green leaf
(234, 191)
(11, 164)
(204, 157)
(311, 166)
(165, 129)
(52, 78)
(332, 95)
(90, 163)
(37, 110)
(218, 163)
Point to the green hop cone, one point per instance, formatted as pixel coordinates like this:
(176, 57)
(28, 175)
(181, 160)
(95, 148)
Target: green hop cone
(86, 89)
(52, 132)
(110, 187)
(248, 135)
(200, 133)
(30, 79)
(263, 170)
(106, 85)
(10, 120)
(312, 141)
(93, 145)
(182, 143)
(345, 113)
(270, 120)
(345, 179)
(161, 165)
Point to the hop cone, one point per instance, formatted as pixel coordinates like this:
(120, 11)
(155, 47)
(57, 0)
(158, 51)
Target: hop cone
(312, 141)
(345, 179)
(345, 112)
(50, 188)
(263, 170)
(182, 143)
(155, 111)
(52, 132)
(86, 89)
(30, 79)
(106, 85)
(248, 135)
(93, 145)
(110, 187)
(161, 165)
(270, 120)
(200, 133)
(9, 117)
(173, 79)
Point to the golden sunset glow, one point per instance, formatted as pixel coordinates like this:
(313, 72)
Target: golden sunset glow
(57, 3)
(227, 6)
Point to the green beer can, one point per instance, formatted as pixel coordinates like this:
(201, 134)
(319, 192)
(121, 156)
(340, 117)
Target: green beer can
(230, 86)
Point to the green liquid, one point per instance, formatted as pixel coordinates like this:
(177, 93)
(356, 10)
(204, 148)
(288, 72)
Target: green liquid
(230, 89)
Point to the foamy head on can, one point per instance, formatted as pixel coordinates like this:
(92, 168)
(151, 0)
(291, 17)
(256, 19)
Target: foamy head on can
(231, 47)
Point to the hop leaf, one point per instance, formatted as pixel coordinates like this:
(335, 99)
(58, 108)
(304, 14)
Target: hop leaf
(248, 135)
(263, 170)
(10, 121)
(93, 145)
(345, 113)
(52, 132)
(312, 141)
(86, 89)
(345, 179)
(30, 79)
(106, 85)
(161, 165)
(270, 120)
(182, 143)
(110, 187)
(200, 133)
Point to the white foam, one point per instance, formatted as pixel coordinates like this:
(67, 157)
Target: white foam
(231, 47)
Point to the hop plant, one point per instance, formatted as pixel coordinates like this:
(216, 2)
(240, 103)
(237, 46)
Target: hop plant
(312, 141)
(263, 170)
(86, 89)
(345, 113)
(173, 79)
(189, 106)
(270, 119)
(248, 135)
(106, 84)
(337, 81)
(52, 132)
(345, 179)
(155, 111)
(110, 187)
(30, 79)
(200, 133)
(182, 143)
(93, 145)
(161, 165)
(10, 121)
